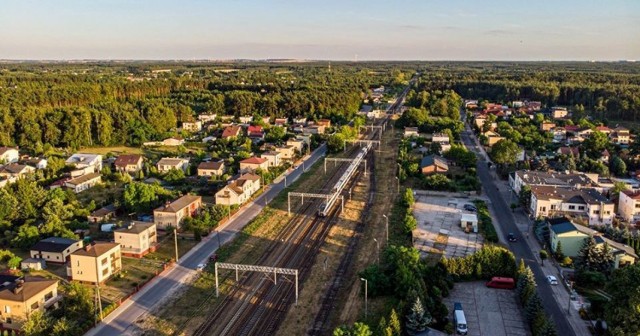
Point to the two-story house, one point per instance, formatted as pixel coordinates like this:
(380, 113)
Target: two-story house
(629, 205)
(211, 168)
(273, 158)
(238, 191)
(9, 155)
(21, 297)
(620, 136)
(137, 238)
(231, 132)
(89, 163)
(166, 164)
(585, 203)
(129, 163)
(193, 126)
(522, 178)
(95, 263)
(253, 163)
(171, 214)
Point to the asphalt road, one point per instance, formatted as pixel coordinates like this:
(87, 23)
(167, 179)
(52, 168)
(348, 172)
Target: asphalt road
(120, 321)
(520, 249)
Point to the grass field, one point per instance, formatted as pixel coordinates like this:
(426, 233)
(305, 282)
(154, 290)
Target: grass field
(115, 150)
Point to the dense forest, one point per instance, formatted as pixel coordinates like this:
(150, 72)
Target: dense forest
(78, 105)
(606, 90)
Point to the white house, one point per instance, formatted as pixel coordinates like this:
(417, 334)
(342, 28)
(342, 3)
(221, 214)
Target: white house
(629, 205)
(587, 203)
(238, 191)
(9, 155)
(83, 182)
(86, 162)
(166, 164)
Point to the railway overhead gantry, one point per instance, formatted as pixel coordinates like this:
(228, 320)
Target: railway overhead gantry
(381, 128)
(343, 160)
(252, 268)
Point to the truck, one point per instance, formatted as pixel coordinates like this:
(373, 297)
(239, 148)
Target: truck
(458, 319)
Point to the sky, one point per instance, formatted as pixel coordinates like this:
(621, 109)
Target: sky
(320, 29)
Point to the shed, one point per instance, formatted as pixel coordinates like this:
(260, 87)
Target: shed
(35, 264)
(469, 220)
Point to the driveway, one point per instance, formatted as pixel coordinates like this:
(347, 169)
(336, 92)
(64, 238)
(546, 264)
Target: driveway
(489, 311)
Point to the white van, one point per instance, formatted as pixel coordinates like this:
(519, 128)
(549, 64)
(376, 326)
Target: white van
(460, 322)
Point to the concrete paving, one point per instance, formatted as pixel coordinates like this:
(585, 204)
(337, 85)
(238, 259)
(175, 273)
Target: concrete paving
(488, 311)
(440, 216)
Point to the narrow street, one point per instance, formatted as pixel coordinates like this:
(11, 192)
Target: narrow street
(507, 223)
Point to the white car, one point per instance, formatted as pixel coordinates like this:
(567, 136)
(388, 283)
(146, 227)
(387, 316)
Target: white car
(552, 280)
(200, 267)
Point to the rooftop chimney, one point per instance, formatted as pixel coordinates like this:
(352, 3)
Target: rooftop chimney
(19, 285)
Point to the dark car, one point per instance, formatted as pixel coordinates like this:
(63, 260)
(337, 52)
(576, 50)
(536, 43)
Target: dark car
(470, 207)
(512, 237)
(213, 257)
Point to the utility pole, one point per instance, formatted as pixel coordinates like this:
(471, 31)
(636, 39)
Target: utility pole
(377, 251)
(386, 225)
(99, 302)
(365, 297)
(175, 242)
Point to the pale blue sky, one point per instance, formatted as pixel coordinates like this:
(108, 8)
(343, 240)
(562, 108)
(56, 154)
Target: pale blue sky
(321, 29)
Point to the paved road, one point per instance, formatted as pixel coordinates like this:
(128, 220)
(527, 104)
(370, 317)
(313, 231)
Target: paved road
(121, 320)
(506, 221)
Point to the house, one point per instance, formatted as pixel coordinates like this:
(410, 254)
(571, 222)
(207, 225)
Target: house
(324, 122)
(103, 214)
(231, 132)
(443, 140)
(255, 132)
(193, 126)
(604, 129)
(34, 264)
(207, 118)
(166, 164)
(572, 236)
(238, 191)
(559, 134)
(173, 142)
(83, 182)
(253, 164)
(604, 156)
(15, 170)
(171, 214)
(559, 112)
(410, 131)
(286, 152)
(90, 163)
(620, 136)
(246, 119)
(273, 158)
(137, 239)
(280, 121)
(300, 120)
(492, 137)
(471, 104)
(546, 126)
(211, 168)
(469, 221)
(36, 162)
(22, 297)
(95, 263)
(522, 178)
(297, 144)
(55, 249)
(569, 151)
(586, 203)
(128, 163)
(9, 155)
(629, 205)
(433, 164)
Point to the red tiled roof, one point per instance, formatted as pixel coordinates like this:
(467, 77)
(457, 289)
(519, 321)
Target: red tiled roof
(127, 159)
(254, 160)
(230, 131)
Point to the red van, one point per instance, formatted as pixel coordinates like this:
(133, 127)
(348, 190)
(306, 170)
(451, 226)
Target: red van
(499, 282)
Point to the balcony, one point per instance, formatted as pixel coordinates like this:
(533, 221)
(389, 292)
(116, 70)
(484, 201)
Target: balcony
(52, 301)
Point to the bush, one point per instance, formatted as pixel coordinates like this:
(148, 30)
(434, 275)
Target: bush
(590, 279)
(485, 222)
(486, 263)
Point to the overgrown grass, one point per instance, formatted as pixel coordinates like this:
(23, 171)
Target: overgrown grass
(485, 223)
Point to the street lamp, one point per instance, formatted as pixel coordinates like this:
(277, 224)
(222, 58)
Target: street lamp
(386, 225)
(365, 297)
(377, 251)
(398, 180)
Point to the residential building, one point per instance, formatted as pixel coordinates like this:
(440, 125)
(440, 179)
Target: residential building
(629, 205)
(280, 121)
(273, 158)
(83, 182)
(546, 126)
(604, 129)
(129, 163)
(193, 126)
(255, 132)
(572, 236)
(231, 132)
(137, 239)
(410, 131)
(172, 142)
(287, 152)
(171, 214)
(530, 178)
(166, 164)
(238, 191)
(253, 163)
(569, 151)
(492, 138)
(559, 112)
(246, 119)
(586, 203)
(55, 249)
(433, 164)
(620, 136)
(103, 214)
(443, 140)
(95, 263)
(207, 118)
(9, 155)
(314, 129)
(559, 134)
(211, 168)
(300, 120)
(21, 297)
(297, 144)
(36, 162)
(87, 162)
(15, 170)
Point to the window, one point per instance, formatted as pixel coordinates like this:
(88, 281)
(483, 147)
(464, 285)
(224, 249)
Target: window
(105, 271)
(596, 212)
(57, 257)
(104, 261)
(581, 208)
(34, 306)
(48, 296)
(7, 309)
(572, 207)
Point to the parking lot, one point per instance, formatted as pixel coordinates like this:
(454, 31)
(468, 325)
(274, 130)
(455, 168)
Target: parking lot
(439, 228)
(489, 311)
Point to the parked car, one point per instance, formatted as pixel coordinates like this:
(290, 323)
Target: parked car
(200, 267)
(512, 237)
(213, 257)
(470, 207)
(552, 280)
